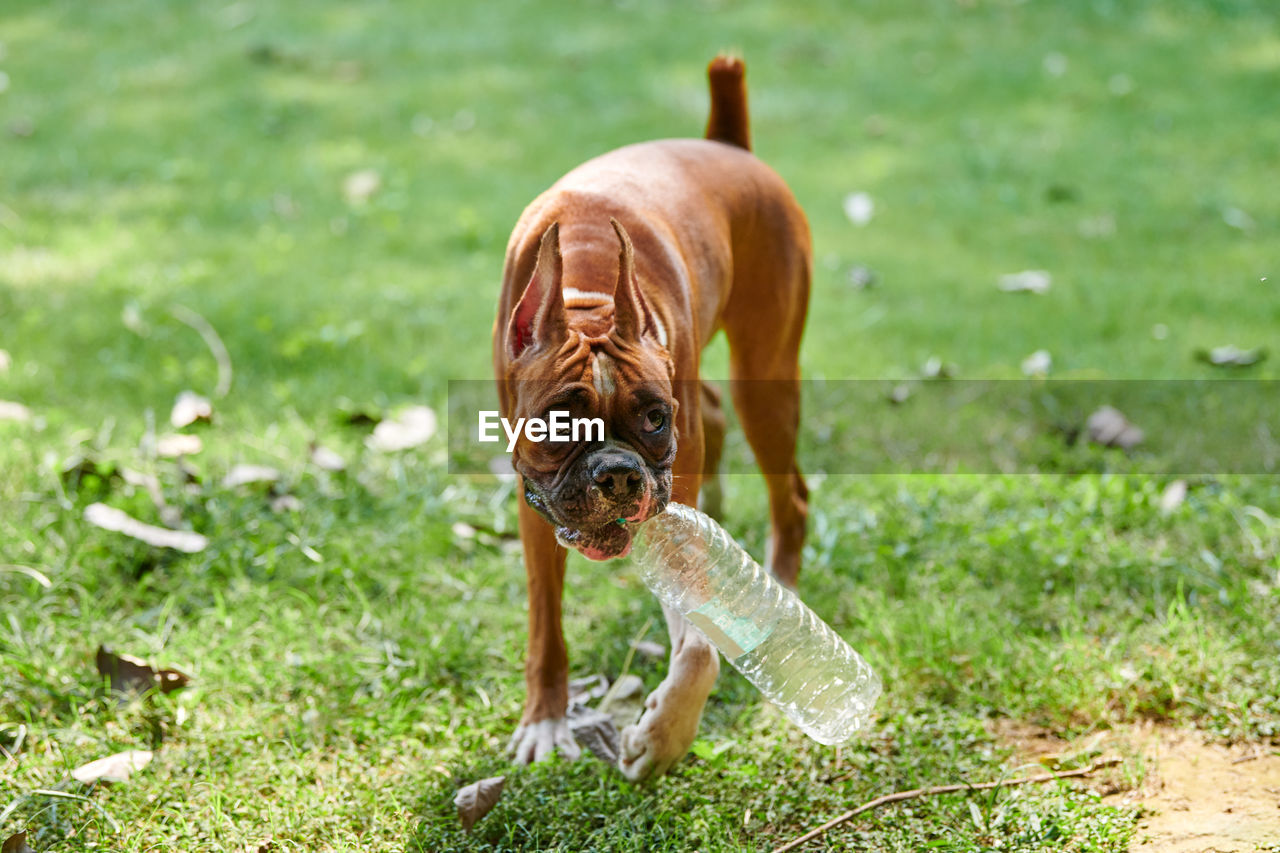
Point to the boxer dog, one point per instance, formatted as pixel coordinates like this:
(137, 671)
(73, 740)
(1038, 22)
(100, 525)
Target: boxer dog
(615, 279)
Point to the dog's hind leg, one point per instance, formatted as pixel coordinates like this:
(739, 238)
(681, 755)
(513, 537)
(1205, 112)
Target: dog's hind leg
(764, 369)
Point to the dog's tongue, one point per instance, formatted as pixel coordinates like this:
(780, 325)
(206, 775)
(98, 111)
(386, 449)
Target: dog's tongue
(600, 543)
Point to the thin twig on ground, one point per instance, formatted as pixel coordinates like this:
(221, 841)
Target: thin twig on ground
(190, 318)
(917, 793)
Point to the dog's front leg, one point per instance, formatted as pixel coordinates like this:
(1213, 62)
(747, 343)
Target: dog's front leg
(666, 729)
(543, 727)
(669, 724)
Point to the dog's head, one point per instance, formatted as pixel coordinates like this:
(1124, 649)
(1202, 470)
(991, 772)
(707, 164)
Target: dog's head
(615, 384)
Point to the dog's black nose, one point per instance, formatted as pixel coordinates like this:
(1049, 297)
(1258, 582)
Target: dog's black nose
(619, 479)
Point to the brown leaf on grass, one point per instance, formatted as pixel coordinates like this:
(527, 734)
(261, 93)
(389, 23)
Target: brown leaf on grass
(326, 460)
(134, 675)
(189, 408)
(10, 411)
(110, 518)
(178, 444)
(475, 800)
(243, 475)
(596, 731)
(1231, 356)
(1110, 428)
(410, 428)
(16, 843)
(113, 768)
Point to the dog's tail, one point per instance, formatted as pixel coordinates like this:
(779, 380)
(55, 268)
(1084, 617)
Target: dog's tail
(728, 119)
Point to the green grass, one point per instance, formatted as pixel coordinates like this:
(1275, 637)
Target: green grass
(187, 154)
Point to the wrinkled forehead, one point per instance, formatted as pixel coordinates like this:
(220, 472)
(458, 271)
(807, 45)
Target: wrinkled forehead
(607, 373)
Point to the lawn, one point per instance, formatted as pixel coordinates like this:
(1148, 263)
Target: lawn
(355, 654)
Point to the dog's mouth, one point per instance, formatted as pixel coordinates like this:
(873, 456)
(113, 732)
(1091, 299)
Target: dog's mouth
(597, 530)
(611, 539)
(606, 542)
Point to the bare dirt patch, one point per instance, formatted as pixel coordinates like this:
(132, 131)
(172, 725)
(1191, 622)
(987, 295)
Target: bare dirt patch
(1196, 797)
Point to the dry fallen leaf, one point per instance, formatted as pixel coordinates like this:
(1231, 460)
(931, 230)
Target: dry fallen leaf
(936, 368)
(1027, 281)
(475, 800)
(189, 408)
(1231, 356)
(1037, 364)
(583, 690)
(410, 428)
(649, 648)
(14, 412)
(859, 207)
(170, 516)
(113, 768)
(133, 675)
(110, 518)
(1110, 428)
(625, 700)
(286, 503)
(596, 731)
(1173, 496)
(178, 444)
(16, 843)
(359, 187)
(243, 475)
(325, 459)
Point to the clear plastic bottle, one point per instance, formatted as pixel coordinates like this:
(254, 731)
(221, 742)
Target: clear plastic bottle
(796, 660)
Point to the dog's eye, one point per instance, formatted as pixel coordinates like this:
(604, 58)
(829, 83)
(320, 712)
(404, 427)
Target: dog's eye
(655, 421)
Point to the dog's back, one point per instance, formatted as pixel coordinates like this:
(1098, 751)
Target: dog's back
(709, 202)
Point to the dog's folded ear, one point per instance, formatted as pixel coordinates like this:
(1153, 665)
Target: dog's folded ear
(539, 318)
(632, 316)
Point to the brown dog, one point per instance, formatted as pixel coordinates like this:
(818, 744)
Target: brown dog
(615, 279)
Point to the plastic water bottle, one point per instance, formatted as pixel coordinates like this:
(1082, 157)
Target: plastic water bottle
(796, 660)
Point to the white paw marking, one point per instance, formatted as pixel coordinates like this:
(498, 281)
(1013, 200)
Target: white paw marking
(536, 741)
(669, 724)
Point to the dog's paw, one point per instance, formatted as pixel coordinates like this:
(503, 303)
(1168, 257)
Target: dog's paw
(536, 741)
(661, 736)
